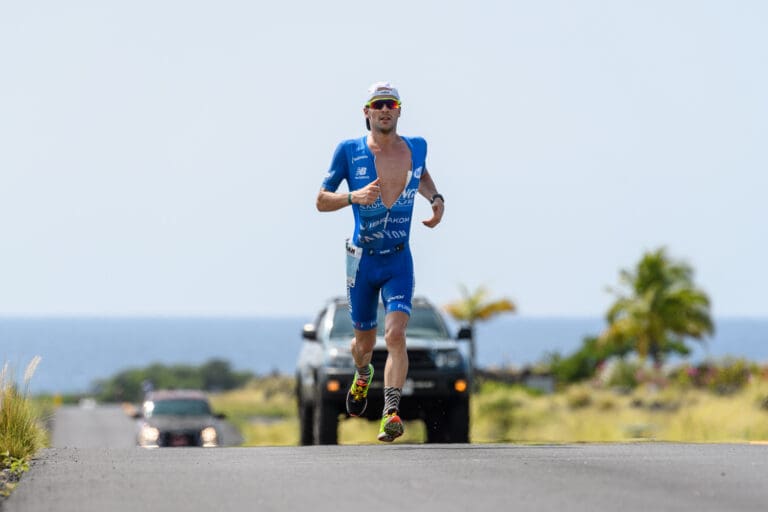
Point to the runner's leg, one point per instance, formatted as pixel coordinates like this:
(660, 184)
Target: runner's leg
(397, 294)
(396, 368)
(363, 306)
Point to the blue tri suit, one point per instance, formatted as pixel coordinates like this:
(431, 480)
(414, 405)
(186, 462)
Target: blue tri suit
(378, 255)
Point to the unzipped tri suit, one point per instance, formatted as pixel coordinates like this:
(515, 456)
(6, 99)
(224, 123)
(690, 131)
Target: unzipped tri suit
(378, 255)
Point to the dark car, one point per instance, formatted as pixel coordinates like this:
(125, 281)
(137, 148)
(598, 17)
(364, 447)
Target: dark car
(178, 418)
(436, 391)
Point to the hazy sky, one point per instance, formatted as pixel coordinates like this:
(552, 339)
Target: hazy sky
(164, 157)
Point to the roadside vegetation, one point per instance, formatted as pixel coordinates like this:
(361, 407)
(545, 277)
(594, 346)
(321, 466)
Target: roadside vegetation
(623, 402)
(21, 431)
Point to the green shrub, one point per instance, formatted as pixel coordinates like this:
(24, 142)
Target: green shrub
(500, 410)
(578, 397)
(684, 376)
(585, 362)
(606, 404)
(731, 376)
(623, 374)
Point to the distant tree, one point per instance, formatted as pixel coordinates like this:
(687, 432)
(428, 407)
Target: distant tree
(130, 385)
(475, 307)
(657, 309)
(217, 375)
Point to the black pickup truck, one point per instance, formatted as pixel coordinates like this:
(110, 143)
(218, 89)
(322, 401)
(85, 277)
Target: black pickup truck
(436, 391)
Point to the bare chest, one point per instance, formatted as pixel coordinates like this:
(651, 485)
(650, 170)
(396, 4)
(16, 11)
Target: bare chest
(392, 168)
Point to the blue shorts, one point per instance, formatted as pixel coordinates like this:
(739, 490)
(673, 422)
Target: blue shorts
(389, 274)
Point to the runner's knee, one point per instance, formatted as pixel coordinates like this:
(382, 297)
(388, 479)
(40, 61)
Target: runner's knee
(395, 336)
(364, 341)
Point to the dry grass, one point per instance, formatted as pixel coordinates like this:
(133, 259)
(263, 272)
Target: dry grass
(585, 414)
(266, 415)
(267, 397)
(21, 434)
(264, 411)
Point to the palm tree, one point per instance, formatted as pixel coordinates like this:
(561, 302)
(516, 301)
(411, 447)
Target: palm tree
(661, 306)
(472, 308)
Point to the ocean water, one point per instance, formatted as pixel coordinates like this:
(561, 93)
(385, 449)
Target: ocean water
(516, 340)
(76, 352)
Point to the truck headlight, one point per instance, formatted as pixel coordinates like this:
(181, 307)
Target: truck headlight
(449, 359)
(209, 437)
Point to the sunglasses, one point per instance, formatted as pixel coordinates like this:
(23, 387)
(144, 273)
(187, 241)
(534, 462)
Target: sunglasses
(380, 104)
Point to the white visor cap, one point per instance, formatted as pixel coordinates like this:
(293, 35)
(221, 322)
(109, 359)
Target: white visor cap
(382, 90)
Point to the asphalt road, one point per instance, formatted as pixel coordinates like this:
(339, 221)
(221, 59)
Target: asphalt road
(93, 427)
(94, 476)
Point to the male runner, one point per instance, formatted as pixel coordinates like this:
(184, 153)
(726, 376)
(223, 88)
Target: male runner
(383, 171)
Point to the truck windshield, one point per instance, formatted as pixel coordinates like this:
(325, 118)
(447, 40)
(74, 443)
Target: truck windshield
(425, 322)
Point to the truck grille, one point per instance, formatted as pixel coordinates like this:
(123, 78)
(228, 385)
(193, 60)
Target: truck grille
(417, 360)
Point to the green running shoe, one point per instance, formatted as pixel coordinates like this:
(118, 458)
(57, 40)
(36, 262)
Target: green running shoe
(391, 427)
(357, 396)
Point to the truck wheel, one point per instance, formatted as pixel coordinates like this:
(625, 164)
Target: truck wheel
(448, 422)
(458, 420)
(306, 415)
(326, 422)
(436, 424)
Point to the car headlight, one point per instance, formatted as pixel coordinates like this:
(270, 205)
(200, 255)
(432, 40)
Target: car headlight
(449, 359)
(148, 435)
(209, 437)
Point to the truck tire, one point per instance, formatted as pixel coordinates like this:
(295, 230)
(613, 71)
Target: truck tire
(458, 420)
(448, 422)
(436, 423)
(306, 417)
(326, 422)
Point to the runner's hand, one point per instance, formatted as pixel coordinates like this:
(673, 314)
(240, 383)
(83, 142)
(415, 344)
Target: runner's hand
(437, 214)
(368, 194)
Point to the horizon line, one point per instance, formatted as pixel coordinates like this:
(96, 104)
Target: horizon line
(237, 316)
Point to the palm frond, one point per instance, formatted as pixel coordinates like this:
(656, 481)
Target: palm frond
(474, 306)
(662, 308)
(492, 309)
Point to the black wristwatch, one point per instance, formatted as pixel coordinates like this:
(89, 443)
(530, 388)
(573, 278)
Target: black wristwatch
(436, 196)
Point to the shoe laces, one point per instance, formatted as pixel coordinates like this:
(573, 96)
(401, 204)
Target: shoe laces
(359, 389)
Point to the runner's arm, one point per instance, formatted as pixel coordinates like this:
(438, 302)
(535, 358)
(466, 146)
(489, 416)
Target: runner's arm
(428, 189)
(328, 201)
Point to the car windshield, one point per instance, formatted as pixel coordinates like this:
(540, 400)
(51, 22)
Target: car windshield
(425, 322)
(177, 407)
